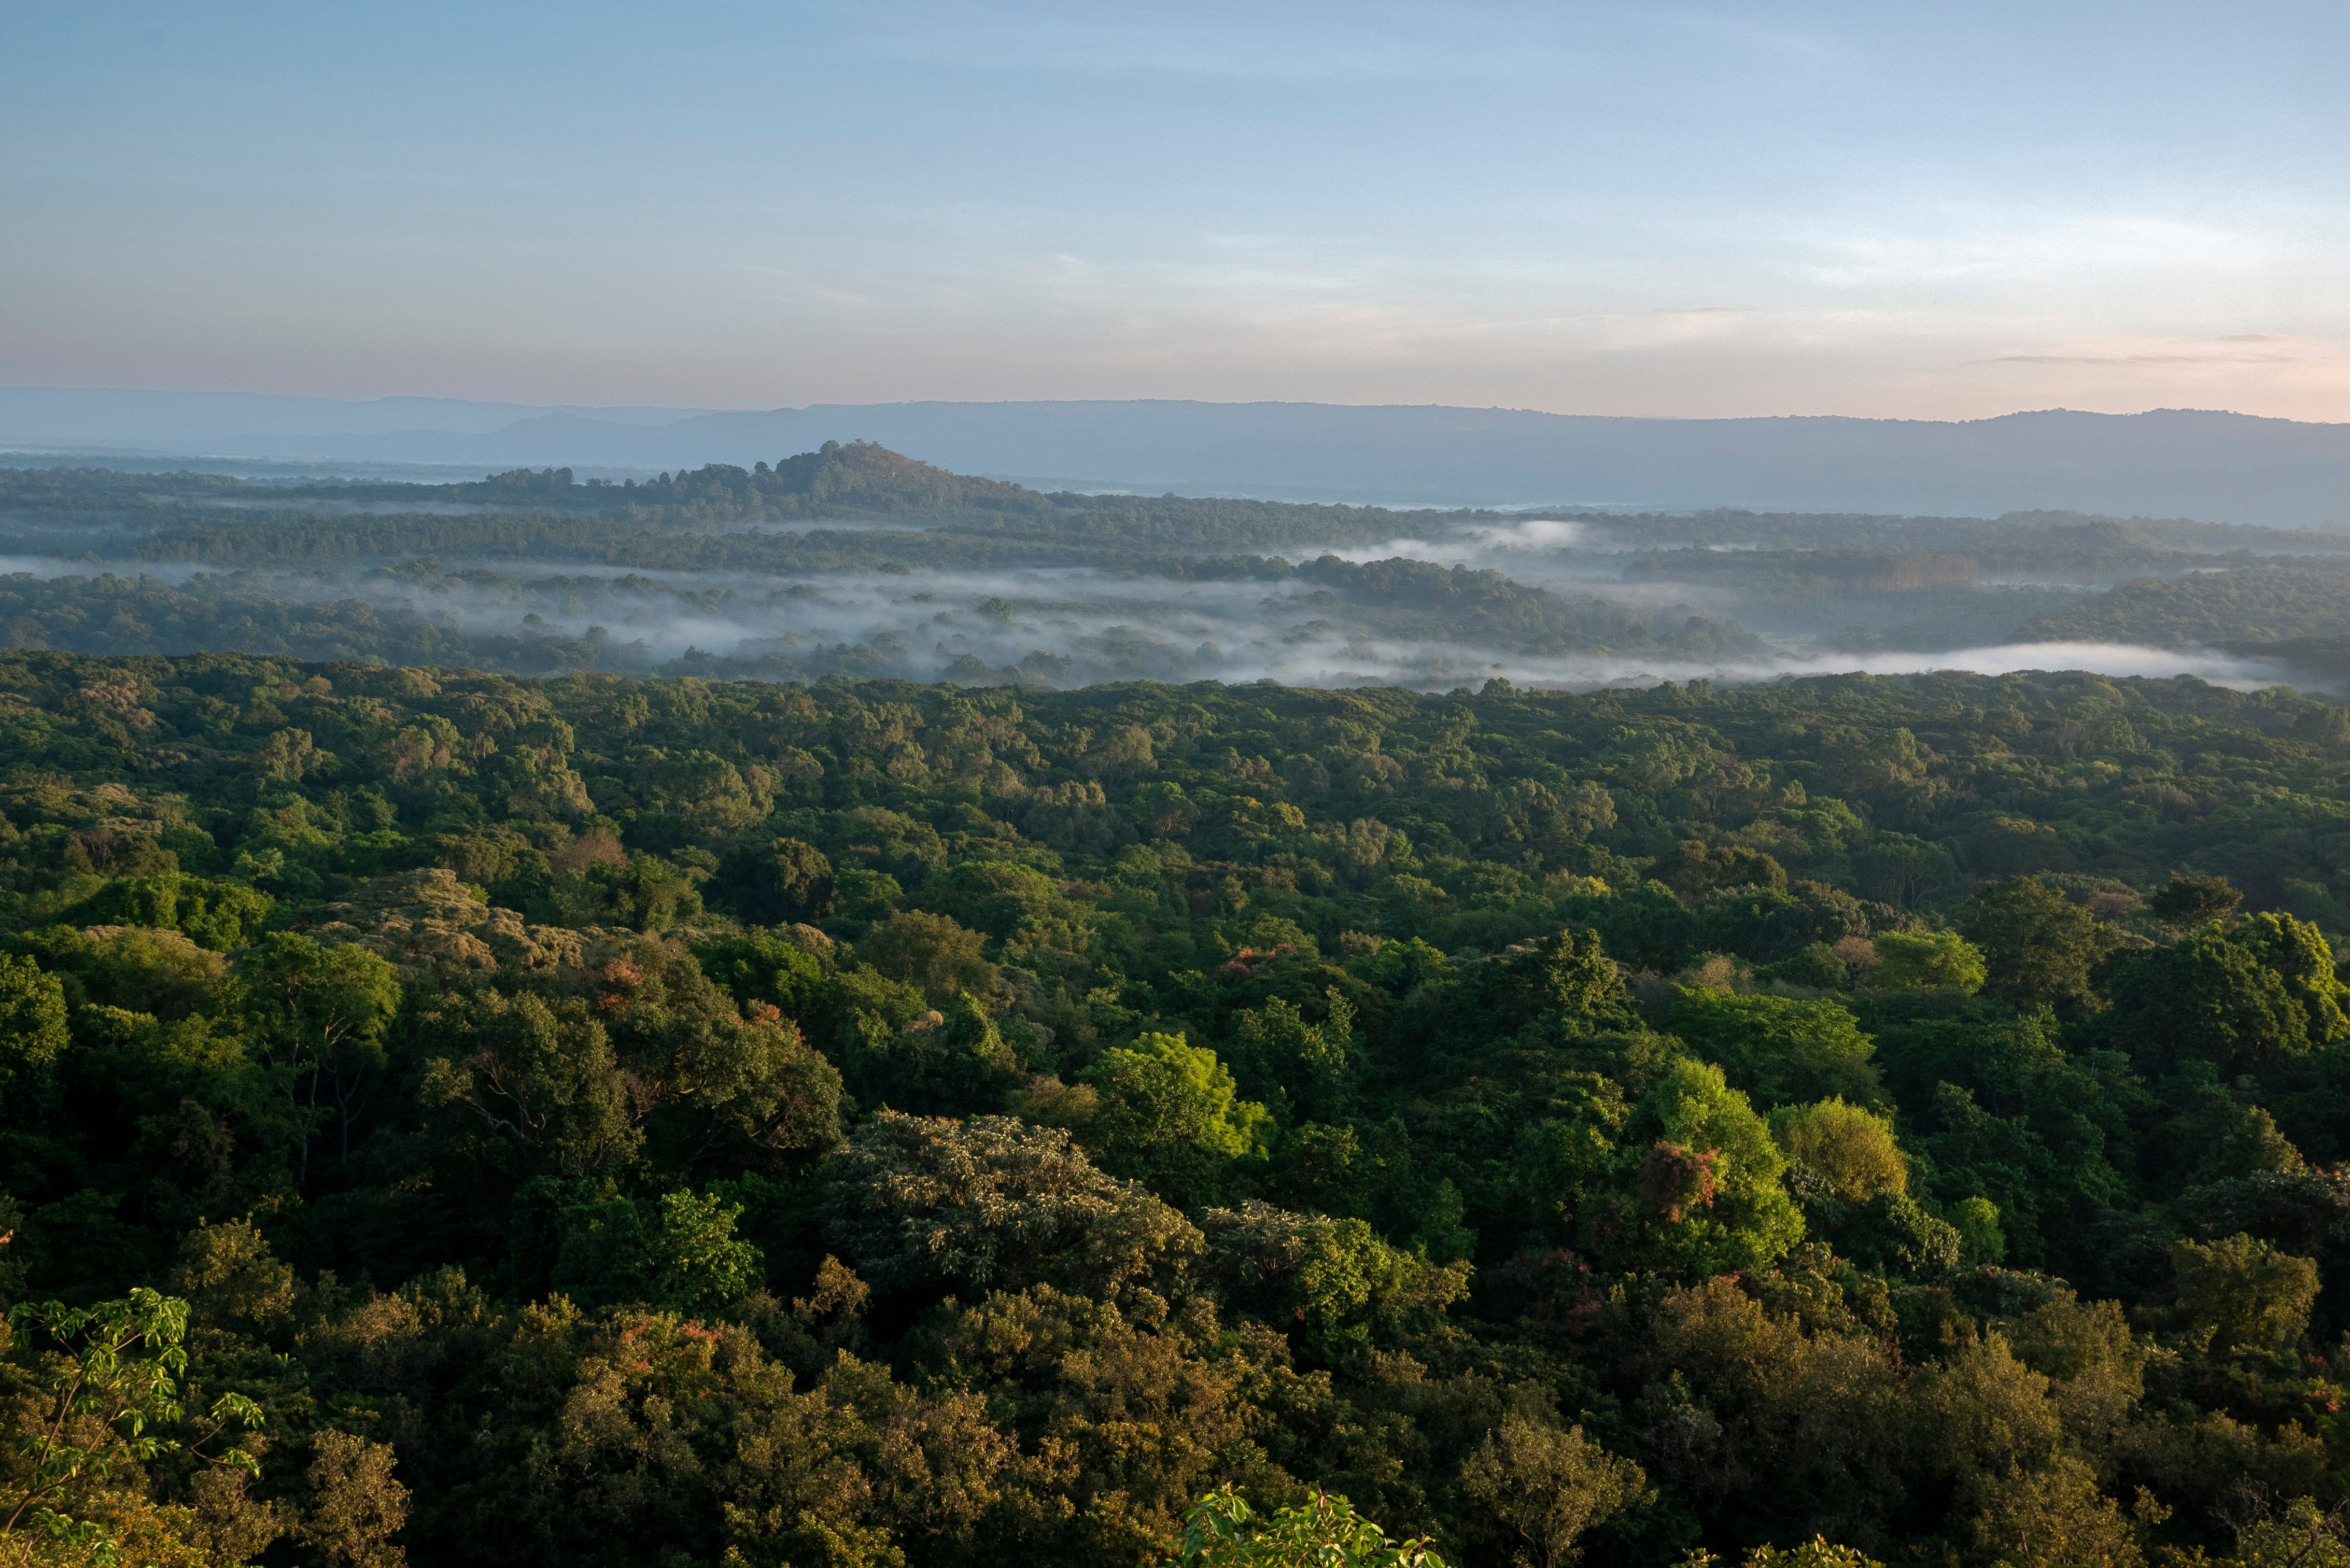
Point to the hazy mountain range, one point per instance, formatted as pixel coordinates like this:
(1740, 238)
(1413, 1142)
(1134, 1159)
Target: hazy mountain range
(2167, 462)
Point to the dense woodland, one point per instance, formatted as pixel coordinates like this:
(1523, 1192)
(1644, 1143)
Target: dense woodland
(858, 480)
(508, 622)
(535, 574)
(460, 1118)
(2268, 603)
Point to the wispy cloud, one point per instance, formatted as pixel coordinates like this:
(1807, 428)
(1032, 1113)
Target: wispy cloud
(2230, 349)
(1944, 245)
(2206, 359)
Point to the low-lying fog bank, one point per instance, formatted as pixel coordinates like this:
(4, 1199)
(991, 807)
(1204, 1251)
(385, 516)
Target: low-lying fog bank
(854, 560)
(1054, 626)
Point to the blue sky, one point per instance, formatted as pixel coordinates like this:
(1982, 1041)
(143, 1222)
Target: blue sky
(1921, 210)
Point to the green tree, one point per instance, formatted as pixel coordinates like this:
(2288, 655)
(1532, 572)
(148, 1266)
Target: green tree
(1550, 1487)
(696, 789)
(1741, 1217)
(1168, 1116)
(108, 1374)
(232, 1283)
(2188, 901)
(942, 1062)
(994, 1203)
(1895, 1234)
(1980, 1241)
(708, 1082)
(681, 1254)
(2302, 1536)
(322, 1010)
(2300, 955)
(542, 1079)
(1324, 1531)
(2212, 999)
(1566, 975)
(2240, 1292)
(995, 896)
(696, 1262)
(2037, 945)
(1779, 1049)
(789, 880)
(1923, 960)
(2055, 1515)
(934, 951)
(1334, 1280)
(32, 1022)
(778, 969)
(1852, 1150)
(356, 1506)
(1313, 1065)
(652, 894)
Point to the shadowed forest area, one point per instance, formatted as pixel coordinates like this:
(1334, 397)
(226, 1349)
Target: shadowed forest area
(456, 1117)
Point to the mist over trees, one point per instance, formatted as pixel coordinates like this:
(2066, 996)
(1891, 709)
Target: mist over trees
(854, 560)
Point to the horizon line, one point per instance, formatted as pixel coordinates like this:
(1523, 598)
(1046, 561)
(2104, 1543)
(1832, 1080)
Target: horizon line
(689, 411)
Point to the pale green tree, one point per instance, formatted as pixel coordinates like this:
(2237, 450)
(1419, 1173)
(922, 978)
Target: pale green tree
(1550, 1486)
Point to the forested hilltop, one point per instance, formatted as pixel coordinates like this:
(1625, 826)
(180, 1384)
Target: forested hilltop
(837, 483)
(605, 1122)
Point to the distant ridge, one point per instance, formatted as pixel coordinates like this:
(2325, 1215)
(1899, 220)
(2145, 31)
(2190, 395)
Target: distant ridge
(2219, 467)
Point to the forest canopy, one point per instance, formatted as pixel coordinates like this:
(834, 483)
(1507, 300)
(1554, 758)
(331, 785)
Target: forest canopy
(450, 1117)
